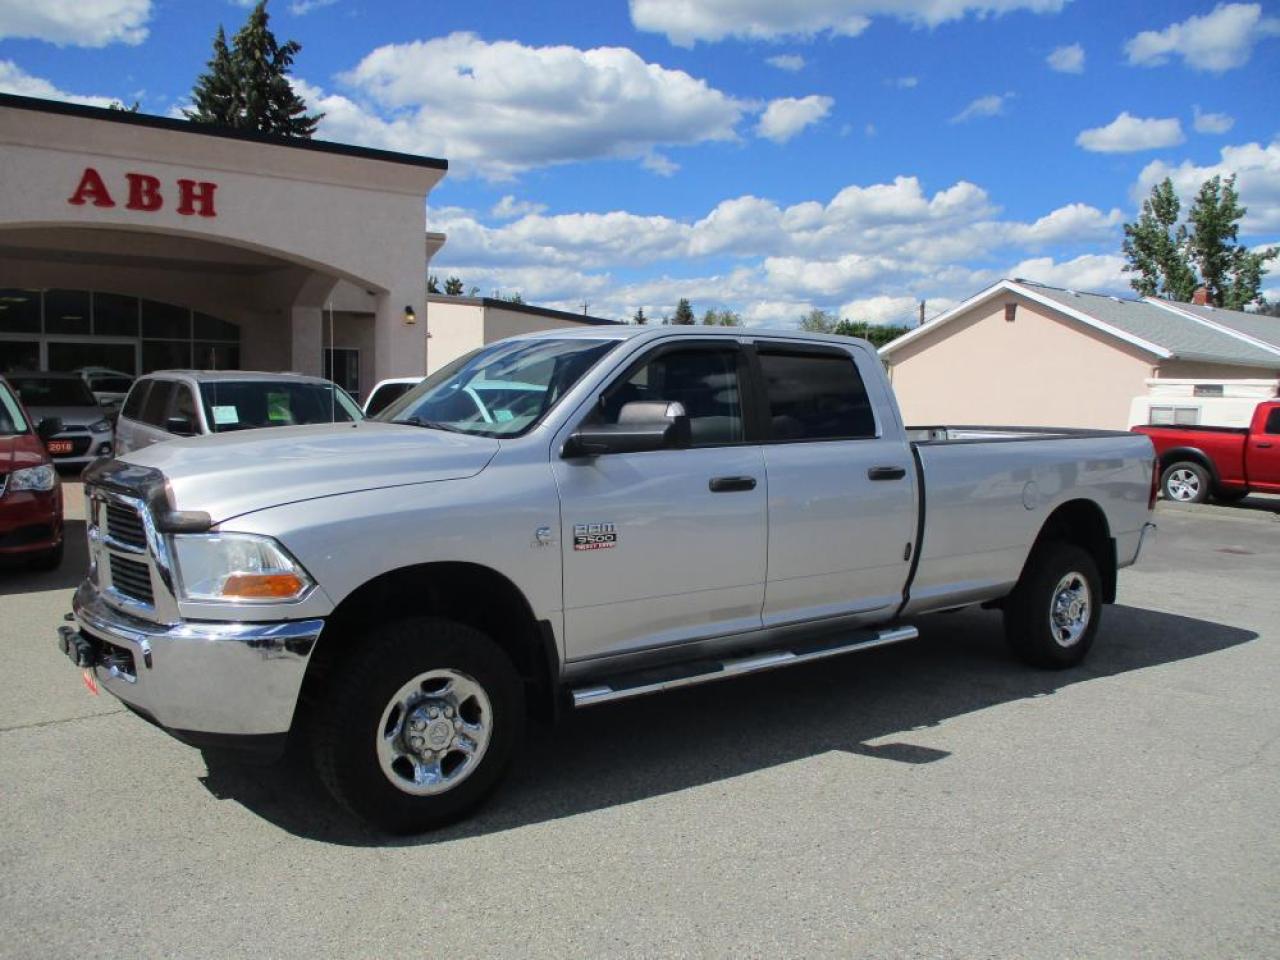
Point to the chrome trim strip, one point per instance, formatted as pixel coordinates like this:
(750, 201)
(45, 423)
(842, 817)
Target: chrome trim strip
(723, 669)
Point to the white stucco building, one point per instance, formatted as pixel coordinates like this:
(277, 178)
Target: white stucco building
(138, 243)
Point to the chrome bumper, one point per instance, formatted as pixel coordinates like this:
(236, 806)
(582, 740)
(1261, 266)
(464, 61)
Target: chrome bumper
(232, 679)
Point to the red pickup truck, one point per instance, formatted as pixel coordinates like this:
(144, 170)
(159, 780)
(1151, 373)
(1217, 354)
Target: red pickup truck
(1226, 463)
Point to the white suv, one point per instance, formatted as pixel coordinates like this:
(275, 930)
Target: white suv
(192, 403)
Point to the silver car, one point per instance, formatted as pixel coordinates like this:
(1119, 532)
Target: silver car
(86, 432)
(193, 403)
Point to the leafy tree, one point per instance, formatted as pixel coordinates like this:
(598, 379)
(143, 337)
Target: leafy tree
(638, 318)
(120, 106)
(721, 318)
(1174, 259)
(877, 334)
(433, 283)
(453, 286)
(247, 84)
(818, 321)
(513, 298)
(684, 313)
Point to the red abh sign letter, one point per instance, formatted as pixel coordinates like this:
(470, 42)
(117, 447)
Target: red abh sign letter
(144, 192)
(91, 189)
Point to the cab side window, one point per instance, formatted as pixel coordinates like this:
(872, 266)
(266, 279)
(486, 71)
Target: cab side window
(184, 405)
(815, 396)
(1273, 421)
(133, 405)
(705, 382)
(156, 408)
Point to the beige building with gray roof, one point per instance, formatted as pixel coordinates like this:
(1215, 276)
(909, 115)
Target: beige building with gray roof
(1024, 353)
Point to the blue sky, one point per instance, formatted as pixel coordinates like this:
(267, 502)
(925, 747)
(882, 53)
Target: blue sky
(764, 155)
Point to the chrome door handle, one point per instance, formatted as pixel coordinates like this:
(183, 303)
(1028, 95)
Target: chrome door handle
(886, 473)
(731, 484)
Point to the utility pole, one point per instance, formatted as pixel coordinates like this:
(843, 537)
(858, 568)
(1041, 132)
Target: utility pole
(922, 313)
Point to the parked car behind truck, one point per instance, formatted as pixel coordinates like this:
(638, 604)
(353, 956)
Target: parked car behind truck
(196, 403)
(1227, 463)
(636, 509)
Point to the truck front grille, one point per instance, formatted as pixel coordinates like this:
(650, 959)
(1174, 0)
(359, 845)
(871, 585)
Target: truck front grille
(124, 525)
(132, 579)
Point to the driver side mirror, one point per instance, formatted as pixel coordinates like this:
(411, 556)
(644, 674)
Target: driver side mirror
(48, 428)
(642, 425)
(180, 426)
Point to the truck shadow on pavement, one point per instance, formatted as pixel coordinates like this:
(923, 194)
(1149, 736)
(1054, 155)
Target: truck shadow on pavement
(630, 751)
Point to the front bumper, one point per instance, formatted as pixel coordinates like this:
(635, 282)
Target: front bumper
(30, 520)
(202, 681)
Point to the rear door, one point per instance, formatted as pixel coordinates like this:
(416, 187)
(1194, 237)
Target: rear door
(149, 428)
(842, 497)
(667, 546)
(129, 423)
(1264, 452)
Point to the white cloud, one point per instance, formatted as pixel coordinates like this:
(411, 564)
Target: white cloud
(991, 105)
(508, 208)
(1258, 182)
(1128, 134)
(1219, 40)
(1067, 59)
(787, 116)
(660, 164)
(300, 8)
(903, 83)
(902, 311)
(685, 22)
(79, 23)
(13, 79)
(501, 108)
(787, 61)
(1098, 273)
(1212, 122)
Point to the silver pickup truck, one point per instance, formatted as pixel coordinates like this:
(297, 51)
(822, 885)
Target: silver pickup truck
(568, 519)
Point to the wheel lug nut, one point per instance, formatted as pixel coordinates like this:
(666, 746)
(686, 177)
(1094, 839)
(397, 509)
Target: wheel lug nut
(457, 723)
(448, 711)
(433, 713)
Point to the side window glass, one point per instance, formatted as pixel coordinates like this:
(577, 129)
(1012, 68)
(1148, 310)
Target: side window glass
(1273, 421)
(815, 397)
(156, 407)
(184, 405)
(132, 409)
(704, 382)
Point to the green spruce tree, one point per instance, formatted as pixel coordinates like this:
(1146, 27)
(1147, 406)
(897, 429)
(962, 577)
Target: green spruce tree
(683, 314)
(247, 84)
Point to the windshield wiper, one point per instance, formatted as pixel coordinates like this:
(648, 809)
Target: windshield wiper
(431, 424)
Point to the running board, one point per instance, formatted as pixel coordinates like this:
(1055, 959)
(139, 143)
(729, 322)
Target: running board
(689, 674)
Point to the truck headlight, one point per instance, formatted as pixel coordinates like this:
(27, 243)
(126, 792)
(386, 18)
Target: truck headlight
(237, 568)
(42, 478)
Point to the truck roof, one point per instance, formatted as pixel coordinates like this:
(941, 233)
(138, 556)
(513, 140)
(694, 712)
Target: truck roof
(682, 331)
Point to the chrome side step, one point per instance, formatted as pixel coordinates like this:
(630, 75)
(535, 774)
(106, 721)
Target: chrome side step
(687, 675)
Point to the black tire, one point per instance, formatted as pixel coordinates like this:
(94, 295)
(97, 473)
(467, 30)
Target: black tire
(345, 724)
(1186, 482)
(50, 559)
(1028, 612)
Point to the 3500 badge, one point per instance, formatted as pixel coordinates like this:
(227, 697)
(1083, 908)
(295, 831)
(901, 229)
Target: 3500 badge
(594, 536)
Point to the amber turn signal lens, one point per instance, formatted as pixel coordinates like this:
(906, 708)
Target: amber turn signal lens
(263, 586)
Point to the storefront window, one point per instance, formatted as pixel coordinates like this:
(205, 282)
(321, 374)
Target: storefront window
(166, 321)
(166, 355)
(66, 311)
(216, 356)
(20, 311)
(114, 315)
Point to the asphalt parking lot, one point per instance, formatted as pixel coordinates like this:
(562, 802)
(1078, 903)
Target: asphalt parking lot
(934, 799)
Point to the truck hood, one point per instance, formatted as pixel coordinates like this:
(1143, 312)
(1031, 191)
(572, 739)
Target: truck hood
(230, 474)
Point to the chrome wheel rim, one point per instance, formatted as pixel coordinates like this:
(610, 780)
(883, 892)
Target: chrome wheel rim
(434, 732)
(1070, 610)
(1182, 485)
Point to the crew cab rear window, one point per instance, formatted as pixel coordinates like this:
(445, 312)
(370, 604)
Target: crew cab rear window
(1273, 421)
(815, 396)
(156, 409)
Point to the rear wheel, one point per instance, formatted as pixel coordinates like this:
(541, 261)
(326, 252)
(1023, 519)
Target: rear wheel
(419, 724)
(1051, 617)
(1185, 482)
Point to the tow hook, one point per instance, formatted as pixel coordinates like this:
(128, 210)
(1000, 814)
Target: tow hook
(76, 647)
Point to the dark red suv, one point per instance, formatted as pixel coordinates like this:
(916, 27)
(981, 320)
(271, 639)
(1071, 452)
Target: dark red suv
(30, 493)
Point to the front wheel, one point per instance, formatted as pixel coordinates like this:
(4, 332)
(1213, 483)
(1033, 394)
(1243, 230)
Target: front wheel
(1185, 482)
(1052, 615)
(418, 724)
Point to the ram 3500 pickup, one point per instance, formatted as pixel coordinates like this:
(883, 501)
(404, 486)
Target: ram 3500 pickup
(1227, 463)
(572, 519)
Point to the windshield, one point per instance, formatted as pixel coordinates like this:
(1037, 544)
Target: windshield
(11, 419)
(53, 391)
(383, 395)
(250, 404)
(501, 390)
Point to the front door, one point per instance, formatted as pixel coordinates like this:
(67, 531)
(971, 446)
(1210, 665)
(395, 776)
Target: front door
(667, 546)
(1264, 455)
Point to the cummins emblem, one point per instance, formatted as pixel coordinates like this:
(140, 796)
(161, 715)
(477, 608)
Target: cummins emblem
(594, 536)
